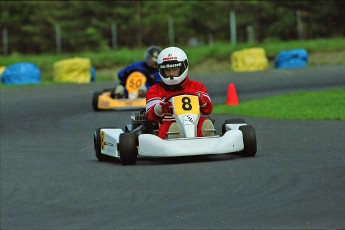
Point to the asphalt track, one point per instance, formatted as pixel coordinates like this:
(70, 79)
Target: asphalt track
(50, 178)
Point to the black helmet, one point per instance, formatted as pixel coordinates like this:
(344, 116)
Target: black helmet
(151, 55)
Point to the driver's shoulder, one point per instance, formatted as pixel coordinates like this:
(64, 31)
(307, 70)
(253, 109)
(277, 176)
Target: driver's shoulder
(137, 64)
(156, 88)
(195, 83)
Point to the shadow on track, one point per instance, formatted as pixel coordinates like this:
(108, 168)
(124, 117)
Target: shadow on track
(175, 160)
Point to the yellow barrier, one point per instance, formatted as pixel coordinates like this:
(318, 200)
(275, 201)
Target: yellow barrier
(2, 69)
(74, 70)
(252, 59)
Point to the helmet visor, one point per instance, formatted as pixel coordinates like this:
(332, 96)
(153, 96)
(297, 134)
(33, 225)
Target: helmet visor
(171, 69)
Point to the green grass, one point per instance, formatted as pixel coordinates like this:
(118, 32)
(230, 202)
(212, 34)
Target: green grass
(217, 53)
(302, 105)
(320, 105)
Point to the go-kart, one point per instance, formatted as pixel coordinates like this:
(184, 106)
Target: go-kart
(139, 138)
(106, 100)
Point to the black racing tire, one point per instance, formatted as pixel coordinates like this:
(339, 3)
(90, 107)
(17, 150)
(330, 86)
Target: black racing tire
(249, 141)
(128, 148)
(97, 145)
(231, 121)
(95, 101)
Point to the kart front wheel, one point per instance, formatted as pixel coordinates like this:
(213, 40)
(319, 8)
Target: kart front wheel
(249, 141)
(95, 101)
(128, 148)
(97, 145)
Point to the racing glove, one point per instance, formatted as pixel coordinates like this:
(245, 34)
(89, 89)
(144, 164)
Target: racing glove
(203, 100)
(162, 108)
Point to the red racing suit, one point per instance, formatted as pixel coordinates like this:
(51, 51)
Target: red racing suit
(158, 92)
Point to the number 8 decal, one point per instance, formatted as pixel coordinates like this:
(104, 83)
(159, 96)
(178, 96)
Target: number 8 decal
(186, 105)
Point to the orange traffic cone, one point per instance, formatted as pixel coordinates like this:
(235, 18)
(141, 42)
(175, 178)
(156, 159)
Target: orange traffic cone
(232, 95)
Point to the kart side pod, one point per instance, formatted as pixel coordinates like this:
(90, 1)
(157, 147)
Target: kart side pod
(106, 142)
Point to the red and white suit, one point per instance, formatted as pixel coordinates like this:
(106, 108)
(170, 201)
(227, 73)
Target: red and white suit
(158, 92)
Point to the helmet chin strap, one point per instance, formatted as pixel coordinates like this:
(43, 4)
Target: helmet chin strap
(173, 87)
(171, 77)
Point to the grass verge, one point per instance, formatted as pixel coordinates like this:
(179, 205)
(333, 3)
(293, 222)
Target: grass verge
(320, 105)
(209, 58)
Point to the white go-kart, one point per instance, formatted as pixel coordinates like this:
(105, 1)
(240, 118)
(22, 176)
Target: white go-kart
(139, 138)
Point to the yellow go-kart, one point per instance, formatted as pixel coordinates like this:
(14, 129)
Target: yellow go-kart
(106, 100)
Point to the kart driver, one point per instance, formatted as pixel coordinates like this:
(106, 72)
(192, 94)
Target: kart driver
(174, 81)
(146, 67)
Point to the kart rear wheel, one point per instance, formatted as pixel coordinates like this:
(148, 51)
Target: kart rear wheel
(97, 146)
(249, 141)
(95, 101)
(128, 143)
(231, 121)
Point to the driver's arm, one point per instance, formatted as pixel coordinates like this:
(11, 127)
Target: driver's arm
(122, 76)
(206, 108)
(204, 99)
(155, 107)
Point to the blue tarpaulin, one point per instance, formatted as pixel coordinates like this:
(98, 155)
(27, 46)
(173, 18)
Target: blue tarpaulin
(297, 58)
(93, 74)
(21, 73)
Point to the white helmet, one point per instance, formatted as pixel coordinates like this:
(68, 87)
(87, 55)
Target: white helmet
(172, 57)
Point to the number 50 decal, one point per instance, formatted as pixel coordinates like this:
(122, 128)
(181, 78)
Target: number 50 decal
(185, 104)
(134, 81)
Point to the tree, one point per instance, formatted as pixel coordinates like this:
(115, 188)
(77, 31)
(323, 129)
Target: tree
(86, 25)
